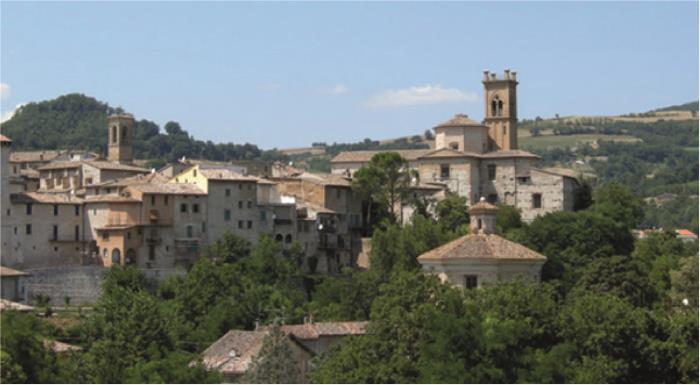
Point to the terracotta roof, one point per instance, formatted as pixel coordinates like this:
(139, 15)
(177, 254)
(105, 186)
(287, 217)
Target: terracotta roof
(5, 139)
(61, 347)
(110, 198)
(325, 179)
(483, 207)
(366, 156)
(265, 181)
(449, 153)
(152, 177)
(29, 173)
(460, 120)
(9, 272)
(558, 171)
(168, 188)
(37, 197)
(35, 156)
(233, 353)
(9, 305)
(105, 165)
(510, 154)
(315, 330)
(482, 246)
(685, 232)
(61, 165)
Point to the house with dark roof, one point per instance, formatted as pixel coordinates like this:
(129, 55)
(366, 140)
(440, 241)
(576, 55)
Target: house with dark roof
(482, 256)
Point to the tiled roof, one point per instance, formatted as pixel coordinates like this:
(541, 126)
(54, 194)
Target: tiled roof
(61, 347)
(105, 165)
(5, 139)
(685, 232)
(366, 156)
(483, 207)
(558, 171)
(510, 154)
(29, 173)
(9, 272)
(37, 197)
(35, 156)
(110, 198)
(460, 120)
(152, 177)
(325, 179)
(315, 330)
(449, 153)
(61, 165)
(168, 188)
(233, 353)
(482, 246)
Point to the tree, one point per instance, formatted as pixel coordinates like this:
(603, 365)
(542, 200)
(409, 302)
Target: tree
(619, 203)
(507, 218)
(24, 356)
(452, 213)
(174, 368)
(428, 135)
(276, 363)
(386, 181)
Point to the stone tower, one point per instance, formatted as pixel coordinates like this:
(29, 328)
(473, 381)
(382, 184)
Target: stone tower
(501, 115)
(482, 218)
(121, 134)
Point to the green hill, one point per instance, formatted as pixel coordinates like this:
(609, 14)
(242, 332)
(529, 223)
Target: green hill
(692, 106)
(76, 121)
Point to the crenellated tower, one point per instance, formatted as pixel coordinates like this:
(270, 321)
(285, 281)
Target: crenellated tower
(501, 115)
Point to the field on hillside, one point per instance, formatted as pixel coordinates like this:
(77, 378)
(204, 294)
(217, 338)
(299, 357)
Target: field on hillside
(544, 142)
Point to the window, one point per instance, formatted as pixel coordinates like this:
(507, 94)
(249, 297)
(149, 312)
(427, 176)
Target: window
(77, 232)
(278, 237)
(55, 233)
(105, 236)
(471, 281)
(338, 193)
(523, 179)
(165, 199)
(454, 146)
(240, 204)
(228, 192)
(250, 204)
(288, 238)
(29, 209)
(190, 231)
(492, 171)
(263, 216)
(240, 224)
(183, 207)
(240, 187)
(128, 235)
(204, 227)
(227, 215)
(444, 171)
(15, 230)
(88, 181)
(250, 224)
(55, 210)
(29, 229)
(153, 200)
(536, 201)
(151, 253)
(114, 134)
(195, 208)
(492, 198)
(77, 211)
(8, 212)
(194, 172)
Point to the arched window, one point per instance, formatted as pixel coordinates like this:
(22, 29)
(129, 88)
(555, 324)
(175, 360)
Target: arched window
(278, 238)
(114, 134)
(500, 108)
(288, 238)
(116, 256)
(496, 106)
(105, 253)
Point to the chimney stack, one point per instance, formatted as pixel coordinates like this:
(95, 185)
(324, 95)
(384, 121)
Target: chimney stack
(486, 75)
(506, 74)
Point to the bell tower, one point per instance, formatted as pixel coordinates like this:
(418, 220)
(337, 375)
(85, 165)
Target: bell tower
(501, 115)
(120, 128)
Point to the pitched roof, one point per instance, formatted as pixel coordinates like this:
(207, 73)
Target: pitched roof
(481, 246)
(558, 171)
(110, 198)
(35, 156)
(168, 188)
(59, 165)
(234, 351)
(483, 207)
(152, 177)
(449, 153)
(61, 347)
(9, 272)
(510, 154)
(325, 179)
(315, 330)
(5, 139)
(29, 173)
(366, 156)
(685, 232)
(49, 198)
(460, 120)
(106, 165)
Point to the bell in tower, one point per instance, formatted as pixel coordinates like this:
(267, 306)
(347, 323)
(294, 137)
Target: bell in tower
(501, 110)
(121, 133)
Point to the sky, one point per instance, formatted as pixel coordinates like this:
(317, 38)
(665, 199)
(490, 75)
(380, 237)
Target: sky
(289, 74)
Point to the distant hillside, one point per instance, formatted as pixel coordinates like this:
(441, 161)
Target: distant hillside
(692, 106)
(76, 121)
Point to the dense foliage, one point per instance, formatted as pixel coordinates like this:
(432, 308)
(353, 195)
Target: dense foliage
(76, 121)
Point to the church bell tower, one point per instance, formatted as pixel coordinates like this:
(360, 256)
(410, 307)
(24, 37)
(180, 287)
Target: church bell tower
(121, 132)
(501, 110)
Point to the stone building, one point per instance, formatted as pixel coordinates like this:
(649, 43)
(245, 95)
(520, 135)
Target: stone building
(475, 159)
(12, 284)
(482, 256)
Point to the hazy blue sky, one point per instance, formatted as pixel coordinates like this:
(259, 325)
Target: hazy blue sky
(287, 74)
